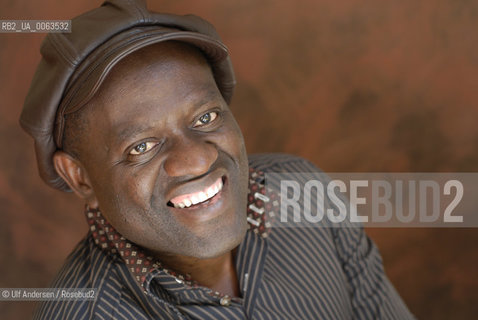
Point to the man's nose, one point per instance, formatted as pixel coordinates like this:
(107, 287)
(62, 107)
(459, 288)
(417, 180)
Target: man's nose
(190, 157)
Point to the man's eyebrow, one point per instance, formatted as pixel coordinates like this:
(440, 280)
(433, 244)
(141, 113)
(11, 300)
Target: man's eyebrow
(208, 96)
(131, 131)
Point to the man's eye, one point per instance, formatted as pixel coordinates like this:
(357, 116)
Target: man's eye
(142, 148)
(206, 118)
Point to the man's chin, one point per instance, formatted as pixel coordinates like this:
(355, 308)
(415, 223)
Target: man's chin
(220, 243)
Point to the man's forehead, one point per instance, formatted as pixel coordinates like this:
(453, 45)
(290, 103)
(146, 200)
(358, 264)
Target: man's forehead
(157, 61)
(147, 79)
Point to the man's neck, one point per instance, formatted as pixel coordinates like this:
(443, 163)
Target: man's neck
(218, 274)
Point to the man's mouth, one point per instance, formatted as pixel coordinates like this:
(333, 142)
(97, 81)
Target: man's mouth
(199, 197)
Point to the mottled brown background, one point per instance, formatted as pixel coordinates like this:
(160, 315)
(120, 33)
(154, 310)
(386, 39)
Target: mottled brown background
(351, 85)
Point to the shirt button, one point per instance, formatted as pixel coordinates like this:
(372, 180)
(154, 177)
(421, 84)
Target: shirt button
(225, 301)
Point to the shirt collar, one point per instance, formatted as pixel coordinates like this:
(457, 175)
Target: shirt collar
(261, 210)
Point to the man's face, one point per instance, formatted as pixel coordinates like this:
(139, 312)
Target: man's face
(162, 138)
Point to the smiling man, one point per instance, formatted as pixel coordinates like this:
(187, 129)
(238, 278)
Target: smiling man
(130, 112)
(168, 167)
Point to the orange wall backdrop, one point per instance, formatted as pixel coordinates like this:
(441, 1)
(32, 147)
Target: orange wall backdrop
(351, 85)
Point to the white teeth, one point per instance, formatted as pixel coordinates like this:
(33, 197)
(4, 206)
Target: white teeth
(210, 192)
(194, 200)
(200, 196)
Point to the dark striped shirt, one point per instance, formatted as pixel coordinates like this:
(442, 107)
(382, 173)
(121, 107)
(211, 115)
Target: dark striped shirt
(293, 273)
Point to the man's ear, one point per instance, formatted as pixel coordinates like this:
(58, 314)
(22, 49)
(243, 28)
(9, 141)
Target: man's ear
(71, 170)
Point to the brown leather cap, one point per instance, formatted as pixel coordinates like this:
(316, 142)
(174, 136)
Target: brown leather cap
(74, 65)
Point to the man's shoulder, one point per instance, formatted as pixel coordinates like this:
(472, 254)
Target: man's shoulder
(281, 162)
(86, 267)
